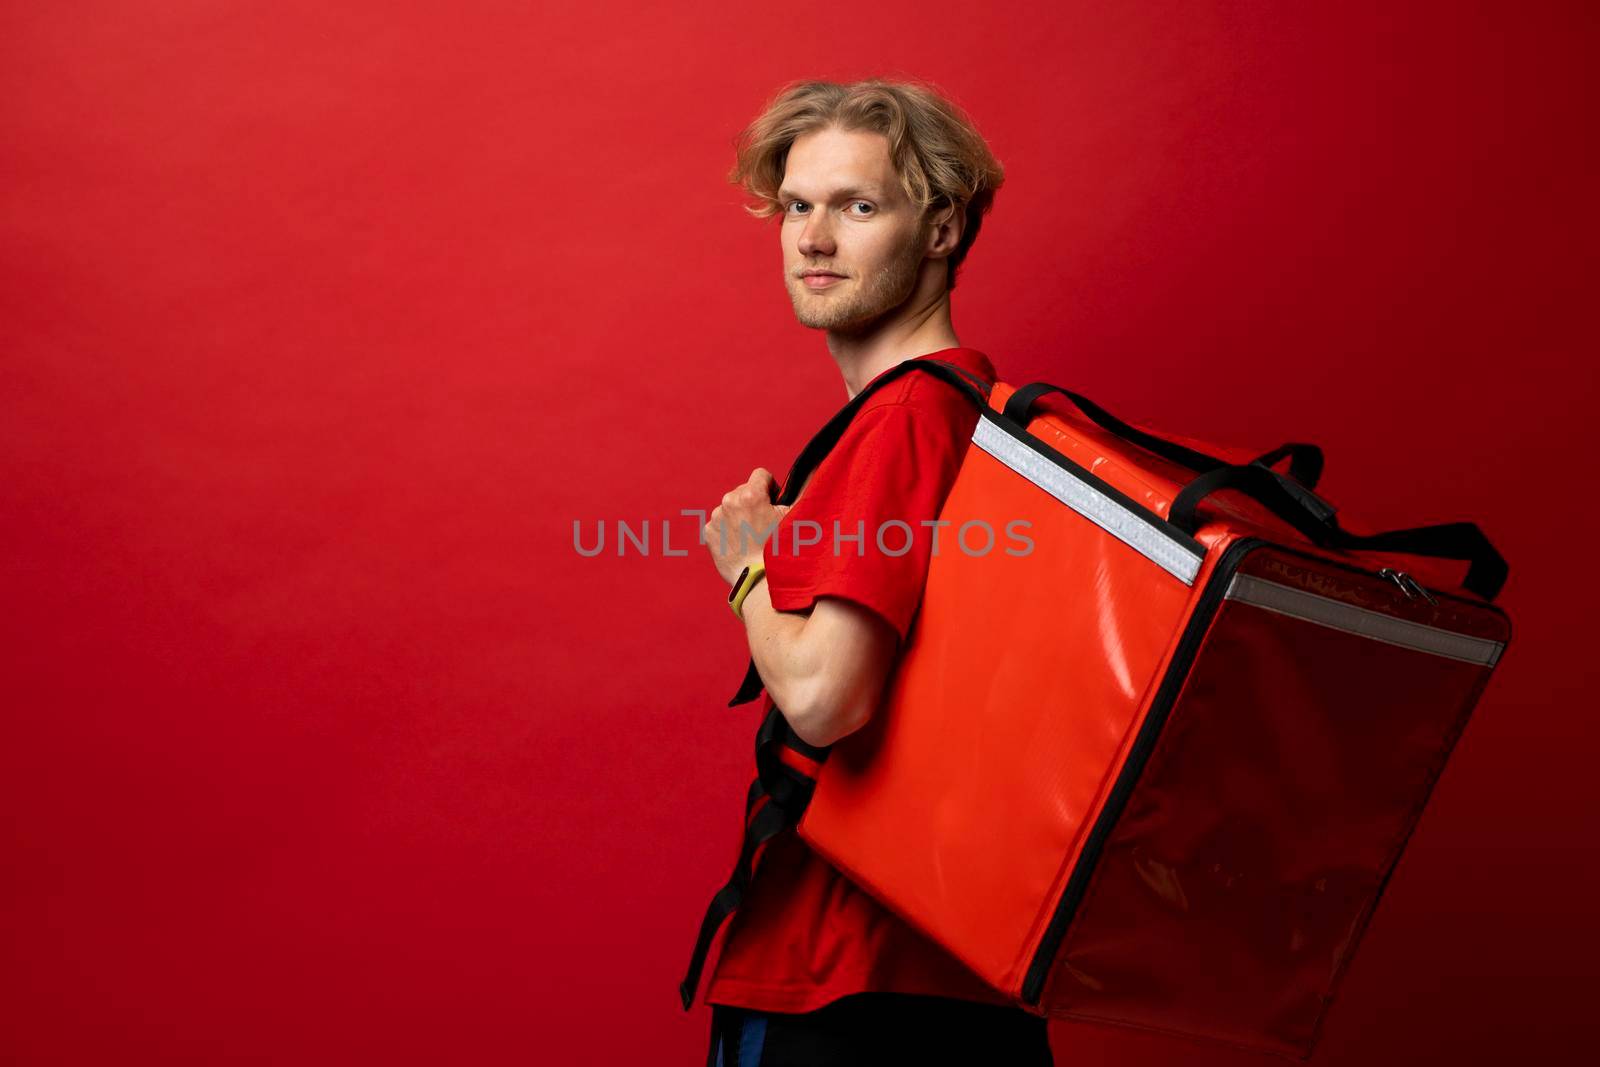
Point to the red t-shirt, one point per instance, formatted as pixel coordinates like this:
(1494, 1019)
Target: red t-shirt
(805, 934)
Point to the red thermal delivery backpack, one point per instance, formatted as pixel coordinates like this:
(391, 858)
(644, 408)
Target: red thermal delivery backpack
(1157, 770)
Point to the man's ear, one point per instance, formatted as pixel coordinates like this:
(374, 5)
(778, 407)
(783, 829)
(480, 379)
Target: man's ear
(944, 231)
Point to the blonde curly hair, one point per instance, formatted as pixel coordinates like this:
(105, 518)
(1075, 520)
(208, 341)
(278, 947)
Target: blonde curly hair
(942, 160)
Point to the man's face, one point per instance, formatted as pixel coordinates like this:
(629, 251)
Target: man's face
(845, 212)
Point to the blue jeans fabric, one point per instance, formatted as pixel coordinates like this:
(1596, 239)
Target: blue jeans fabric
(878, 1029)
(751, 1030)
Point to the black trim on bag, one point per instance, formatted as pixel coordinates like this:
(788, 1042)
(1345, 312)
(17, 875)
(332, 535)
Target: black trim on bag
(1149, 732)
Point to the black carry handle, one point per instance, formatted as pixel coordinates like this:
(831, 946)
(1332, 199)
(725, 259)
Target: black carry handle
(816, 450)
(1486, 572)
(1305, 465)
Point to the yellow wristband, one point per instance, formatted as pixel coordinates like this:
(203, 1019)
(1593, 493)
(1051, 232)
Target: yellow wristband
(741, 588)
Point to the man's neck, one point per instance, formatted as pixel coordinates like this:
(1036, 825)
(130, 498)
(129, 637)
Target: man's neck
(863, 358)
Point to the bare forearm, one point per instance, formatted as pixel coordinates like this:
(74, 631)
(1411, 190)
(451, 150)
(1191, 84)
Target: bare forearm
(823, 669)
(778, 648)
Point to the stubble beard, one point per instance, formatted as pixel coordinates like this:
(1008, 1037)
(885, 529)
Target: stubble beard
(871, 299)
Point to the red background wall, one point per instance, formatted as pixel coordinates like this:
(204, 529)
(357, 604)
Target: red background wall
(322, 323)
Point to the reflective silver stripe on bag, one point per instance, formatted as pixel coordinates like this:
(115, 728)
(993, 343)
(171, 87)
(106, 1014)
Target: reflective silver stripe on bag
(1108, 514)
(1363, 622)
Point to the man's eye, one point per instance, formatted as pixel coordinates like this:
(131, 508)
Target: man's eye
(863, 203)
(793, 204)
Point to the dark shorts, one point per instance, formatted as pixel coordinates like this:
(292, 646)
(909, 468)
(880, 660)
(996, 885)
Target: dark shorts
(880, 1028)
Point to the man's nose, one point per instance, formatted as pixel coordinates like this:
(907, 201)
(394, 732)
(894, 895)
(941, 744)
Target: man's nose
(816, 238)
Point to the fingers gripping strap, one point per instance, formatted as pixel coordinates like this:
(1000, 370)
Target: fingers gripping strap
(816, 450)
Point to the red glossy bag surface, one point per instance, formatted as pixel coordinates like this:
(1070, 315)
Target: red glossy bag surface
(1153, 763)
(1147, 777)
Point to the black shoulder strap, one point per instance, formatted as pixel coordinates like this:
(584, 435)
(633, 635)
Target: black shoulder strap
(780, 792)
(822, 442)
(776, 799)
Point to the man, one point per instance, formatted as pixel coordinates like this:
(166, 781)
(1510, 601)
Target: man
(881, 188)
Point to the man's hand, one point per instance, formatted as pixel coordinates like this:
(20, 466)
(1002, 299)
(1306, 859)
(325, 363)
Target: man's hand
(825, 666)
(737, 529)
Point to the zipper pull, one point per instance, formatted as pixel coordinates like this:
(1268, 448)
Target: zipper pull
(1399, 579)
(1418, 587)
(1407, 584)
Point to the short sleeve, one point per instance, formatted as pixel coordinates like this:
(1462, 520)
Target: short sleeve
(864, 529)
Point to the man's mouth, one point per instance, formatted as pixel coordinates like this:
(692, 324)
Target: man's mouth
(820, 279)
